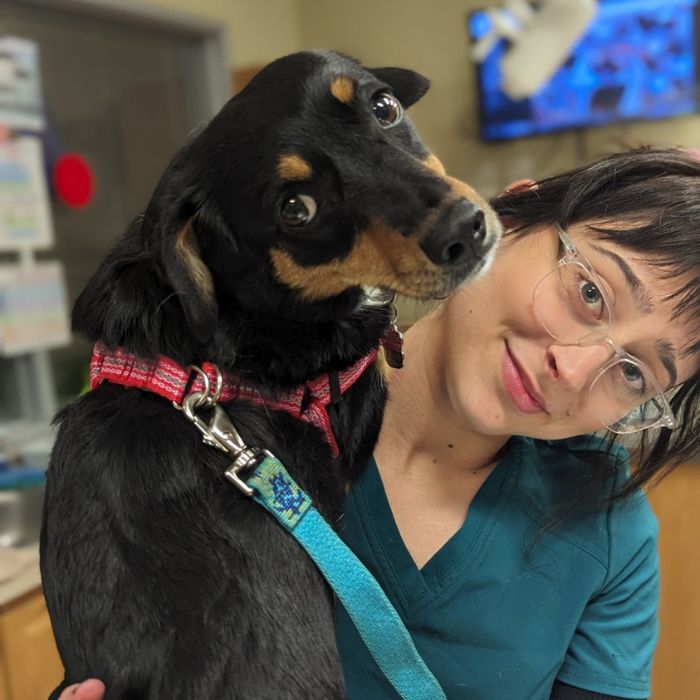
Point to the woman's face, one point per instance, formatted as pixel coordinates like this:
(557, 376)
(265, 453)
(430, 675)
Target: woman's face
(505, 373)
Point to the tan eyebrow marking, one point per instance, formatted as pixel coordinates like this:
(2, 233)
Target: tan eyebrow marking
(293, 167)
(343, 89)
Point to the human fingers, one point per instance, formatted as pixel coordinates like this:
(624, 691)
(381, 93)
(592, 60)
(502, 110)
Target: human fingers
(524, 184)
(91, 689)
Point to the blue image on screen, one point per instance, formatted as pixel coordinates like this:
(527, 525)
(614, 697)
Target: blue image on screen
(635, 61)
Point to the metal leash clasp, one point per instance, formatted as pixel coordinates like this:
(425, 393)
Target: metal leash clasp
(220, 432)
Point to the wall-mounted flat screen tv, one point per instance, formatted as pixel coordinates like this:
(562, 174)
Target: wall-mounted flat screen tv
(636, 60)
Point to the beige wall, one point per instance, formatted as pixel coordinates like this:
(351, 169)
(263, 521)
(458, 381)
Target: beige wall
(431, 38)
(258, 30)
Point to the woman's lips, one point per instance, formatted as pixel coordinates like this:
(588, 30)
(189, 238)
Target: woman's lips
(518, 386)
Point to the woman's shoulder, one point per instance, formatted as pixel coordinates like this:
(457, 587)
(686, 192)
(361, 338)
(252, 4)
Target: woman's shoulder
(569, 486)
(582, 448)
(586, 465)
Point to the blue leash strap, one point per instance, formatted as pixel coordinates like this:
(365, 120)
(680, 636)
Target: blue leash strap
(375, 618)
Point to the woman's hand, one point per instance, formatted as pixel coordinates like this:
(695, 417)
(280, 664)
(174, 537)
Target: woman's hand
(87, 690)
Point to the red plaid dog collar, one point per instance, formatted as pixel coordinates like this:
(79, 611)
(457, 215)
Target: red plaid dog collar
(165, 377)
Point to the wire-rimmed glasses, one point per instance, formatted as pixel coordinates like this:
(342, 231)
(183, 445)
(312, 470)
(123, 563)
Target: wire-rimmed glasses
(571, 304)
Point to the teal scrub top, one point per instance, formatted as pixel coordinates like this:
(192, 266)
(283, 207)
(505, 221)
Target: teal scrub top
(508, 605)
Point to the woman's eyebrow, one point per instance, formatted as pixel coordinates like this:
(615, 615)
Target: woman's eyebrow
(637, 288)
(667, 352)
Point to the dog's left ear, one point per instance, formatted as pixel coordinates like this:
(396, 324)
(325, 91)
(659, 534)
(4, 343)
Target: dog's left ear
(407, 85)
(191, 279)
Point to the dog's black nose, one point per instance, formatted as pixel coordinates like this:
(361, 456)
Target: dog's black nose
(458, 236)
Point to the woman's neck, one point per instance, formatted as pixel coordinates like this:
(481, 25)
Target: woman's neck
(422, 429)
(431, 462)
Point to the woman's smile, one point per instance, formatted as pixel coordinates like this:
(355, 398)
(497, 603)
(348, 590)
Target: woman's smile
(519, 386)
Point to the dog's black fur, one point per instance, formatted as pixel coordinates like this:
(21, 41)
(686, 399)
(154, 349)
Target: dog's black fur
(161, 578)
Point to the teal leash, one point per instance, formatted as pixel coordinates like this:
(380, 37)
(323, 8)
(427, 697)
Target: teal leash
(375, 618)
(270, 485)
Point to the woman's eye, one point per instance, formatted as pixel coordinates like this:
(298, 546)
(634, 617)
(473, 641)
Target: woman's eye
(387, 109)
(297, 210)
(634, 377)
(590, 293)
(592, 299)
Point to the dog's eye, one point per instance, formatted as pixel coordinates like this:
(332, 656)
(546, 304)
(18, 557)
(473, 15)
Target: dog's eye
(297, 210)
(387, 109)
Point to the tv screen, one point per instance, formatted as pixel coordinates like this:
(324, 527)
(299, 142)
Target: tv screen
(636, 60)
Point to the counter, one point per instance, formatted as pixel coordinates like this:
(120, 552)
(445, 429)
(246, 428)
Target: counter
(26, 559)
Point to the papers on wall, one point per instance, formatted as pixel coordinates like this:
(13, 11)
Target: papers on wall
(33, 308)
(25, 216)
(21, 102)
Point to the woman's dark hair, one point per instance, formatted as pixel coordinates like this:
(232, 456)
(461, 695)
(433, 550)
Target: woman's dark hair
(647, 200)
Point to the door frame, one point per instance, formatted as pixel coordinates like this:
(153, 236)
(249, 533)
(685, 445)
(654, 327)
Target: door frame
(213, 61)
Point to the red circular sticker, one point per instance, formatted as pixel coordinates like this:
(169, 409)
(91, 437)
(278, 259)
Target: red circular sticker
(73, 180)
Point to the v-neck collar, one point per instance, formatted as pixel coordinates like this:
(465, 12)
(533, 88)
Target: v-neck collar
(413, 587)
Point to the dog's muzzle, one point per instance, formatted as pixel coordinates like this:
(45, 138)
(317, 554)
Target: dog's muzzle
(460, 236)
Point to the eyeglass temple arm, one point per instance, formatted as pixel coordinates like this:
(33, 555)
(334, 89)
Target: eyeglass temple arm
(564, 238)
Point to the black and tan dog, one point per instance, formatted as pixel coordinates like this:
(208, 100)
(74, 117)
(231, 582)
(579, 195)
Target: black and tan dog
(255, 254)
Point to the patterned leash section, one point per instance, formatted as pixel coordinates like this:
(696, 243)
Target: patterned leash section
(375, 618)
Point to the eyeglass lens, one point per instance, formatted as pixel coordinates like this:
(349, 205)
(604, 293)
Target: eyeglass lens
(572, 309)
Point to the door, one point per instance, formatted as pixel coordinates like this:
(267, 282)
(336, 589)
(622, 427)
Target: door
(124, 92)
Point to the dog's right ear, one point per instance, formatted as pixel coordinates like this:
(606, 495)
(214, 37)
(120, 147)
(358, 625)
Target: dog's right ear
(407, 85)
(191, 279)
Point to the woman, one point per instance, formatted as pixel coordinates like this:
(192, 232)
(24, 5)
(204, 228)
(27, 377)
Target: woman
(521, 557)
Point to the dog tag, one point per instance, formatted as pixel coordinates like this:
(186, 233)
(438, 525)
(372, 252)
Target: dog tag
(392, 342)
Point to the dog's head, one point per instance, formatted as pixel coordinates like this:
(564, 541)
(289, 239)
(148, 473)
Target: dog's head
(308, 186)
